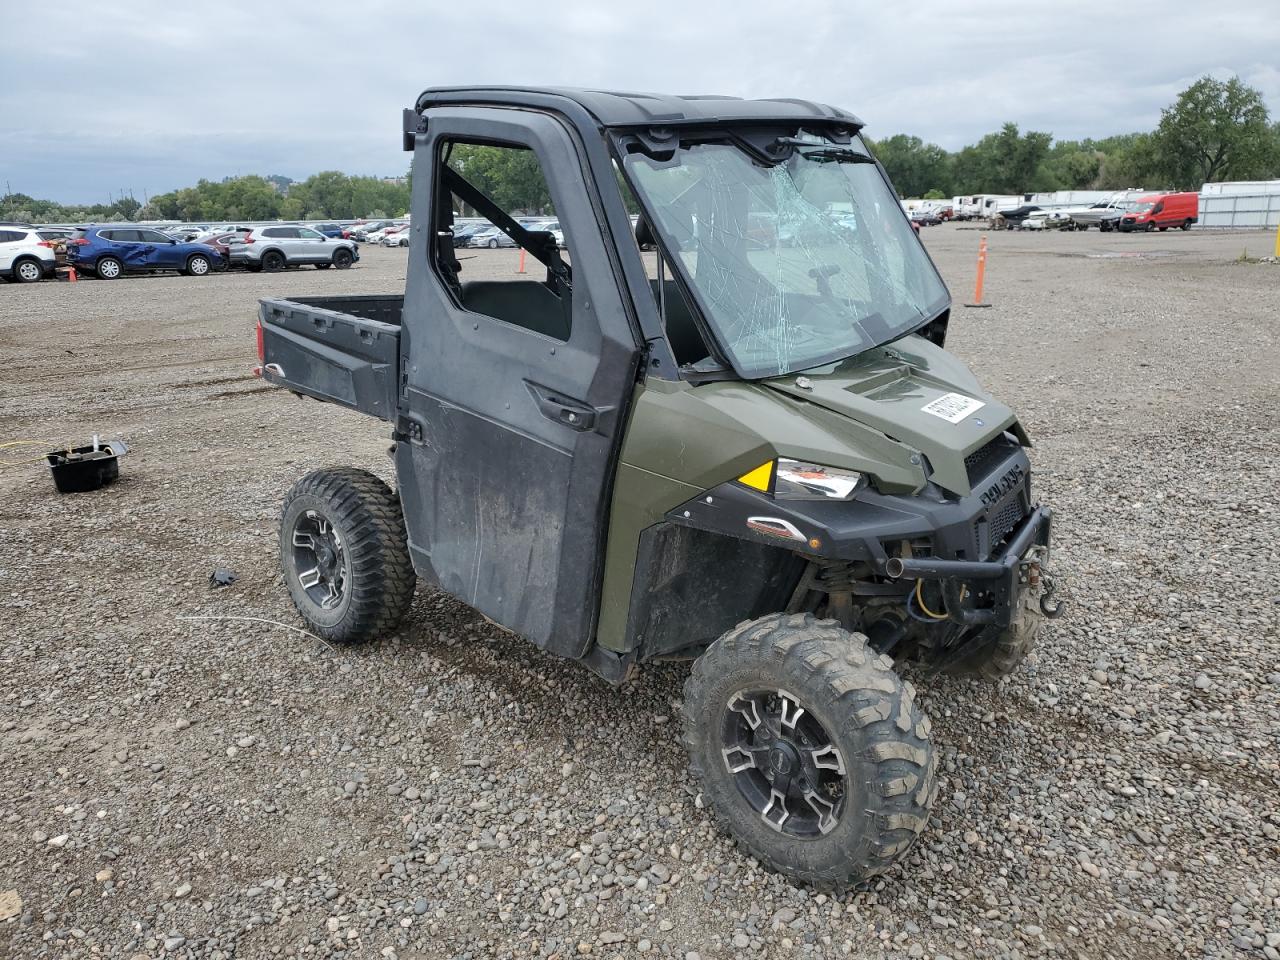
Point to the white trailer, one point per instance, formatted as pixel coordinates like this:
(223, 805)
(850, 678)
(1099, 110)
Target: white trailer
(1068, 198)
(1240, 204)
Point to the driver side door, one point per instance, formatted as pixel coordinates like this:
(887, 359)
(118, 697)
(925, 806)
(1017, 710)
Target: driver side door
(515, 388)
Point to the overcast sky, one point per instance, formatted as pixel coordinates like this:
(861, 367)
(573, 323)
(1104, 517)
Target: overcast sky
(148, 96)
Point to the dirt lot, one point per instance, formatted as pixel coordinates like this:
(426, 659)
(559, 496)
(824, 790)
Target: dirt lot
(218, 788)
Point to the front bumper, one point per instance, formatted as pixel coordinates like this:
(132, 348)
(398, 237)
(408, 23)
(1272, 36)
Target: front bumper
(973, 544)
(1003, 578)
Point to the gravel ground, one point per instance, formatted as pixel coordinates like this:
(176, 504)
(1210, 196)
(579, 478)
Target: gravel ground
(186, 787)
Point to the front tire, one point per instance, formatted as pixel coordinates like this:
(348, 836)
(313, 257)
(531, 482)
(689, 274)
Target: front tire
(198, 265)
(493, 244)
(108, 268)
(342, 259)
(344, 554)
(809, 749)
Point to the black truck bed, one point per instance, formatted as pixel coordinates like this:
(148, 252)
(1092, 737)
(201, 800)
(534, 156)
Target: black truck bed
(343, 350)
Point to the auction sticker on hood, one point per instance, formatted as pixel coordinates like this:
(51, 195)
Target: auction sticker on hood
(953, 407)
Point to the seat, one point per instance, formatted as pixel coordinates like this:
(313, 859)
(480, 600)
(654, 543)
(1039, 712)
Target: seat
(525, 303)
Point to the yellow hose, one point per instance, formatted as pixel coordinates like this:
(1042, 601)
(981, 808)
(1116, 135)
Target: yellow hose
(24, 443)
(920, 603)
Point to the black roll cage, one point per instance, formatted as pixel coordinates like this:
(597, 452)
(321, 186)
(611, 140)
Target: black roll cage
(539, 243)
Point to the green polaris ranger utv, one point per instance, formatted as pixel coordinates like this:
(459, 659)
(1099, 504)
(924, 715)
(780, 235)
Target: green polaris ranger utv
(721, 427)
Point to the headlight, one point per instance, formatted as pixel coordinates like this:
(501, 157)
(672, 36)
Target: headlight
(786, 479)
(795, 480)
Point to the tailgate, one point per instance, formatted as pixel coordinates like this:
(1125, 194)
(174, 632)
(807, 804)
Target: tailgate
(343, 350)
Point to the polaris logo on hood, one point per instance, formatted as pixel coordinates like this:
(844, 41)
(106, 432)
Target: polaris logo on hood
(1006, 482)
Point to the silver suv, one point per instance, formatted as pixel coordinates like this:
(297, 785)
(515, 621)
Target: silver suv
(290, 245)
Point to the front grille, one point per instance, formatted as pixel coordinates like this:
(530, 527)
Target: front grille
(982, 462)
(1004, 518)
(992, 529)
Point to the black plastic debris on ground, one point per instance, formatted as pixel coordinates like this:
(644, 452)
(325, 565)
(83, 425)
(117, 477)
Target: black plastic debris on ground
(81, 469)
(222, 577)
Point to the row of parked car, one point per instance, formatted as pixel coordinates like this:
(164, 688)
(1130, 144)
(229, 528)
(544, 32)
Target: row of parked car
(1156, 211)
(482, 233)
(107, 251)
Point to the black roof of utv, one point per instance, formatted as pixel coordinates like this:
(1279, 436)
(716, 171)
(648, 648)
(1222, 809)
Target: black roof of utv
(614, 109)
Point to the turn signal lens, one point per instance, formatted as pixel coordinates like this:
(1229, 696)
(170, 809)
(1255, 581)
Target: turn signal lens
(761, 478)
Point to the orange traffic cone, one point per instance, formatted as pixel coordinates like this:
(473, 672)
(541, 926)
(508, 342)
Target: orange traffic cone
(982, 273)
(71, 274)
(522, 269)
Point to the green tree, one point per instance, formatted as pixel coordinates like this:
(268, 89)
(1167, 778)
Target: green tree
(1070, 165)
(510, 176)
(913, 165)
(1215, 130)
(1129, 160)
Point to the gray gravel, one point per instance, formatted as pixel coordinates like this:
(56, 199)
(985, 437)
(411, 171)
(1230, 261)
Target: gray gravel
(215, 788)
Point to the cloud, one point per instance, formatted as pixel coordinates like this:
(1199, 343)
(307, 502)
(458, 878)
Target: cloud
(157, 94)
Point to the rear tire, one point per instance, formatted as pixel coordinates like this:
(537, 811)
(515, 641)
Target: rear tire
(108, 268)
(1186, 225)
(344, 554)
(856, 750)
(198, 265)
(342, 258)
(27, 270)
(273, 261)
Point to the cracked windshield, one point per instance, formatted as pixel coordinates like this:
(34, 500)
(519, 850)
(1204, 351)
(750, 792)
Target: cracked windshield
(794, 264)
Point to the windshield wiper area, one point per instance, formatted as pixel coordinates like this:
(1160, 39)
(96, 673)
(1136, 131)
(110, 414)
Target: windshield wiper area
(822, 152)
(837, 154)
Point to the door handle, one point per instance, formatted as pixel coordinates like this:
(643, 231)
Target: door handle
(572, 413)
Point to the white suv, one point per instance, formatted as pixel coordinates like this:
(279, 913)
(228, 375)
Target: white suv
(288, 245)
(25, 256)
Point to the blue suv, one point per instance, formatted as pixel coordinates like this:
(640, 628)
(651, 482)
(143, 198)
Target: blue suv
(109, 251)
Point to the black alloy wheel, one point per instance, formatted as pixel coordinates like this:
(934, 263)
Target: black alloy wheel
(783, 762)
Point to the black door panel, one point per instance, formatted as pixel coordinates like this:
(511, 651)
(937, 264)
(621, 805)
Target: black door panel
(517, 391)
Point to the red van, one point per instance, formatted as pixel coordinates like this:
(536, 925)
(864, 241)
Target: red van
(1162, 210)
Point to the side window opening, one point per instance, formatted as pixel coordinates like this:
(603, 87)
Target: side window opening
(673, 307)
(493, 216)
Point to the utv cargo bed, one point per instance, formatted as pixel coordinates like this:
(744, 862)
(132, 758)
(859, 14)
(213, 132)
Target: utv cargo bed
(342, 350)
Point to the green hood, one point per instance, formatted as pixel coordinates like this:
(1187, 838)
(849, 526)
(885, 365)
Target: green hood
(891, 389)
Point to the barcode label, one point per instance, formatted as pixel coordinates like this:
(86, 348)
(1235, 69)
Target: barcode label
(953, 407)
